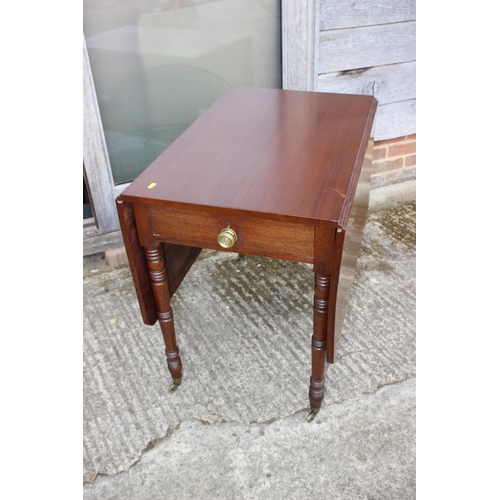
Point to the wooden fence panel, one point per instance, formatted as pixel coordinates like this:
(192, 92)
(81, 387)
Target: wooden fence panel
(337, 14)
(395, 120)
(300, 28)
(347, 49)
(389, 83)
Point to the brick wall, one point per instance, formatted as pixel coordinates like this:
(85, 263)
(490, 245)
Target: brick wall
(394, 160)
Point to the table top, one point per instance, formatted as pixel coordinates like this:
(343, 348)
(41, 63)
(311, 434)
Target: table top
(271, 153)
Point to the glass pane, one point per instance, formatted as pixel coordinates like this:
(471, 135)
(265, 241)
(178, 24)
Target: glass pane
(159, 64)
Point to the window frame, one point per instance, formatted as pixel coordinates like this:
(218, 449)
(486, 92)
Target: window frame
(299, 49)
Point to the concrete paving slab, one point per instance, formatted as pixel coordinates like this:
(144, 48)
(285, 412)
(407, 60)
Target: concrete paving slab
(244, 326)
(362, 448)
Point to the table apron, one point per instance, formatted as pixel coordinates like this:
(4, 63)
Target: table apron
(268, 238)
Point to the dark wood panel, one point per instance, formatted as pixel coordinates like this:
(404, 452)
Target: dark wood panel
(178, 260)
(285, 155)
(346, 255)
(324, 240)
(281, 169)
(275, 239)
(137, 262)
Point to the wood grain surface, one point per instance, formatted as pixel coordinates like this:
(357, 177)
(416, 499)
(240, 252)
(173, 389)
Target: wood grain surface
(280, 239)
(281, 169)
(137, 262)
(388, 83)
(366, 46)
(279, 154)
(337, 14)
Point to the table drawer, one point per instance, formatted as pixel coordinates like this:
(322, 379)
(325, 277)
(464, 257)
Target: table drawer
(282, 240)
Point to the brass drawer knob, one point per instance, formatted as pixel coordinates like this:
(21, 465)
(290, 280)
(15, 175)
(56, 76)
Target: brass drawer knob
(227, 238)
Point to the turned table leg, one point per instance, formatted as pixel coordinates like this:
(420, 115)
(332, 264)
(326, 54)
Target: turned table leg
(159, 285)
(318, 344)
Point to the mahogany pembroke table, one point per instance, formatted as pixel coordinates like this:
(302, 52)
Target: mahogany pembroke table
(276, 173)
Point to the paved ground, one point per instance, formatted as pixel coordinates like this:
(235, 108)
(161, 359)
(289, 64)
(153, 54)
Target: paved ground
(236, 427)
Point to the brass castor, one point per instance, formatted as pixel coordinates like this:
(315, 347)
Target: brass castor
(175, 385)
(312, 415)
